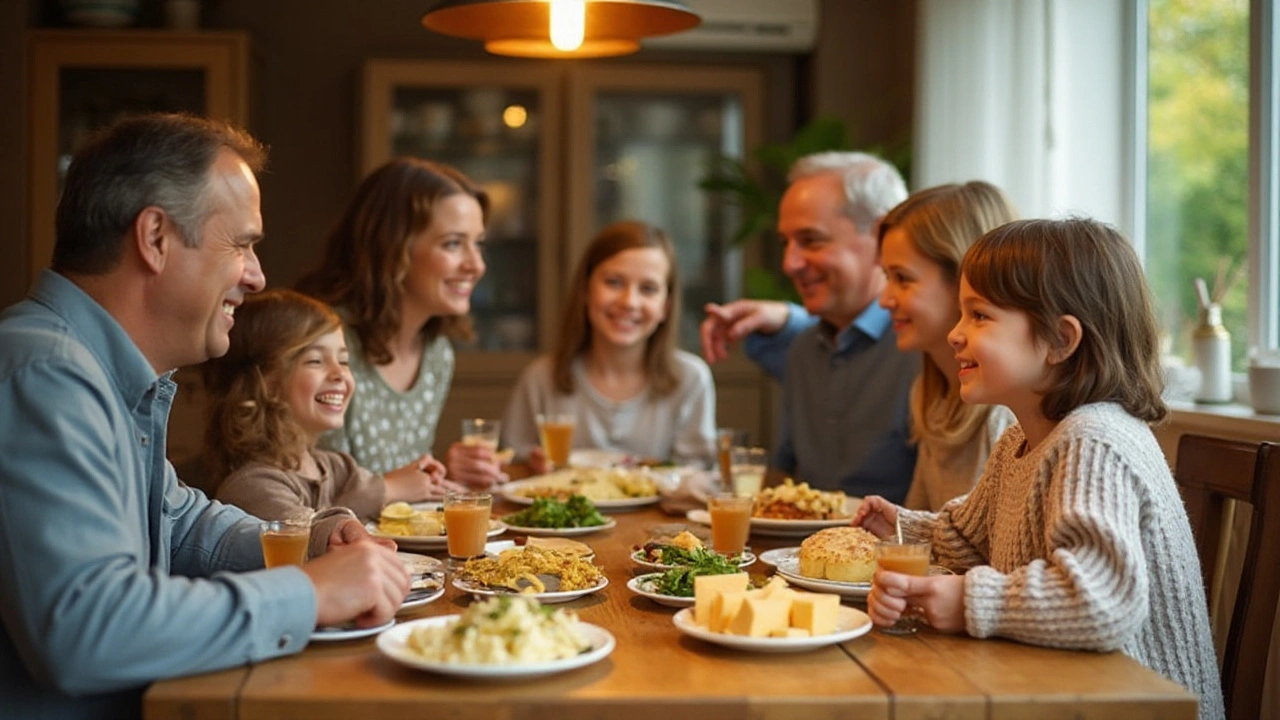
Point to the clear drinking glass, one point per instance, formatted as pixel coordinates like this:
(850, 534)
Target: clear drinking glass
(557, 437)
(284, 542)
(726, 440)
(730, 522)
(481, 431)
(466, 524)
(747, 467)
(909, 558)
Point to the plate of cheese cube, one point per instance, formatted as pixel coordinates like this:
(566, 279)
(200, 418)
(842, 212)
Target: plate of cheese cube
(773, 618)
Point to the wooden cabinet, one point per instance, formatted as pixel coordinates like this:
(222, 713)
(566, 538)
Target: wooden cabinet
(80, 80)
(563, 149)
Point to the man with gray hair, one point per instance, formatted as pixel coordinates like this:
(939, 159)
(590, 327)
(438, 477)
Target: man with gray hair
(115, 573)
(844, 417)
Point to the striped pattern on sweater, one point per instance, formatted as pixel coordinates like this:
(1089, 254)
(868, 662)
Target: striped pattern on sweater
(1082, 543)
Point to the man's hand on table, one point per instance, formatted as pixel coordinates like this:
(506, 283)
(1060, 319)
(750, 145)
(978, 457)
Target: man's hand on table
(362, 581)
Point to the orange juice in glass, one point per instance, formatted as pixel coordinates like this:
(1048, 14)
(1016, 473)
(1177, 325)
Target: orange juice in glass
(730, 522)
(726, 440)
(466, 523)
(557, 437)
(909, 558)
(284, 542)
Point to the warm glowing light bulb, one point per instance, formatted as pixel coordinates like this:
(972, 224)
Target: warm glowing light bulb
(515, 116)
(568, 24)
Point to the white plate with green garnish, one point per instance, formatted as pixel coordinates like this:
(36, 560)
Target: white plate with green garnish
(641, 558)
(560, 532)
(647, 585)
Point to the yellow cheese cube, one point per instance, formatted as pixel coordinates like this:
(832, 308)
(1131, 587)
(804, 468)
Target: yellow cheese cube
(724, 607)
(815, 612)
(706, 586)
(760, 616)
(790, 633)
(775, 584)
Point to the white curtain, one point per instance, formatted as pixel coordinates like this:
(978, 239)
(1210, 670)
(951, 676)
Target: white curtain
(1035, 96)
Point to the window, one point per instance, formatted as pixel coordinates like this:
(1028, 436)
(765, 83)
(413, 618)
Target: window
(1206, 211)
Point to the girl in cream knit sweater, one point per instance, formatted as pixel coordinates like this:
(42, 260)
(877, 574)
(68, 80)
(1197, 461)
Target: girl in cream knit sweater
(1075, 536)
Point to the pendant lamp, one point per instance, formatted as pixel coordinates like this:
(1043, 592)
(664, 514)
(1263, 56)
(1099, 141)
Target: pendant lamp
(560, 28)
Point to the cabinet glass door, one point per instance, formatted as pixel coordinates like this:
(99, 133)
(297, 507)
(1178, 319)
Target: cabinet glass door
(495, 129)
(79, 81)
(653, 141)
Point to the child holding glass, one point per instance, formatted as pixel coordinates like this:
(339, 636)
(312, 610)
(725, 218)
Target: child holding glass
(616, 372)
(282, 384)
(1075, 536)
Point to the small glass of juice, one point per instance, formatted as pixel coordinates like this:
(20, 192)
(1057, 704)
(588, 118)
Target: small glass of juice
(909, 558)
(481, 431)
(730, 522)
(466, 524)
(284, 542)
(557, 437)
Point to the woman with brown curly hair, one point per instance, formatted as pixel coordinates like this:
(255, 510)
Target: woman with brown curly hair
(400, 267)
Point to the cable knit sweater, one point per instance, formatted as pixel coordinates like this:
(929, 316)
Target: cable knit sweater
(1082, 543)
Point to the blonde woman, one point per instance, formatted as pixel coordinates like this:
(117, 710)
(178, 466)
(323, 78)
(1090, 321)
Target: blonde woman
(922, 241)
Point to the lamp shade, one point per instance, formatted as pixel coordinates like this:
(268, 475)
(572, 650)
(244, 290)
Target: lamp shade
(521, 28)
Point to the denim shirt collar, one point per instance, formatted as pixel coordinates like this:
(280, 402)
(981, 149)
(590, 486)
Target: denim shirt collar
(121, 358)
(871, 323)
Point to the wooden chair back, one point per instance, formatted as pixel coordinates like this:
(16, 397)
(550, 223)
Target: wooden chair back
(1209, 471)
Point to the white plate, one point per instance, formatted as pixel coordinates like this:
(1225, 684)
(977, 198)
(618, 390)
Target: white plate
(332, 634)
(787, 561)
(421, 564)
(788, 565)
(428, 542)
(561, 532)
(637, 557)
(772, 527)
(596, 457)
(643, 585)
(418, 598)
(509, 491)
(546, 598)
(850, 623)
(393, 644)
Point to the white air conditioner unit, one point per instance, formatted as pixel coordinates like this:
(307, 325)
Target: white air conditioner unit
(750, 25)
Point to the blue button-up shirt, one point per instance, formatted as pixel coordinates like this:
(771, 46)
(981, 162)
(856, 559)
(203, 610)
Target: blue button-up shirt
(112, 573)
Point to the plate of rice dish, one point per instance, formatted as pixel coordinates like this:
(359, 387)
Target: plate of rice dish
(545, 575)
(608, 488)
(501, 637)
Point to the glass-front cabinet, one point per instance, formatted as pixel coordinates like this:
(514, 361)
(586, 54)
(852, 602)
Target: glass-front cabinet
(79, 81)
(562, 150)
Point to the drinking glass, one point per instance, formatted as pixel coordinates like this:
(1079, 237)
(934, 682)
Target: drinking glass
(466, 524)
(557, 437)
(909, 558)
(730, 522)
(284, 542)
(481, 431)
(747, 466)
(726, 440)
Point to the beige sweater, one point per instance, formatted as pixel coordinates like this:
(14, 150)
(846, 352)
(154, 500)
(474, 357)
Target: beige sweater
(272, 493)
(1082, 543)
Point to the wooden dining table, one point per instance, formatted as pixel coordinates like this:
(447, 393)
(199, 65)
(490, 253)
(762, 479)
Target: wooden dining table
(657, 673)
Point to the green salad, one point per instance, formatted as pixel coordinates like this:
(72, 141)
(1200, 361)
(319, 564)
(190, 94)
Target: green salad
(679, 581)
(546, 512)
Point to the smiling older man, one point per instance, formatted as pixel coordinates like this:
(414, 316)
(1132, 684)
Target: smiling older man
(845, 385)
